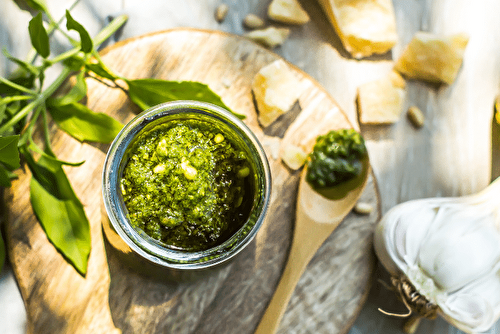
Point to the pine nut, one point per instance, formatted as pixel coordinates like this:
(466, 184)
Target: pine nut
(363, 208)
(252, 21)
(221, 12)
(416, 116)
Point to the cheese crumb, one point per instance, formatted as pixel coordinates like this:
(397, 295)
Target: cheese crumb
(270, 37)
(287, 11)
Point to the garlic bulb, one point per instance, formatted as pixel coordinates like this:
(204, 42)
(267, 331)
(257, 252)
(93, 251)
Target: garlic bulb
(448, 249)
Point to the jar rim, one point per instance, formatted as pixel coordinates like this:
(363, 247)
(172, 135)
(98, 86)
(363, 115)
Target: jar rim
(144, 245)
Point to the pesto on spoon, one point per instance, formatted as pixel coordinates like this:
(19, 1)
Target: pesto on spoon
(322, 204)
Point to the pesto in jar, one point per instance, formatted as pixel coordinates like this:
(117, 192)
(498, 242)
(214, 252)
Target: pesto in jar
(187, 185)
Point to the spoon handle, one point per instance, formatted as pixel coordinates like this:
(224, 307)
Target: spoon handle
(306, 242)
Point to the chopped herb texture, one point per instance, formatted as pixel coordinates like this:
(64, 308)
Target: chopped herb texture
(337, 157)
(186, 184)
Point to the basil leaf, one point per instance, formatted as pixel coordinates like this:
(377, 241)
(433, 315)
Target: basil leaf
(38, 5)
(21, 77)
(2, 251)
(61, 215)
(27, 67)
(13, 107)
(10, 110)
(38, 36)
(77, 92)
(9, 154)
(147, 93)
(85, 40)
(4, 177)
(84, 124)
(100, 71)
(44, 175)
(75, 63)
(58, 209)
(48, 154)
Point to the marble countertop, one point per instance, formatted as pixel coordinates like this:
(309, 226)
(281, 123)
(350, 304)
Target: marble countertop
(449, 156)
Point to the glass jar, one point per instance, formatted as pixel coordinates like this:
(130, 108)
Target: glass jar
(142, 252)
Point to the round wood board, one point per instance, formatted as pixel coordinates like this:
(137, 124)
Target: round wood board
(113, 299)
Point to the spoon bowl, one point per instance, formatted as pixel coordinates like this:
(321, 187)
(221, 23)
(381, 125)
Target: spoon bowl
(316, 218)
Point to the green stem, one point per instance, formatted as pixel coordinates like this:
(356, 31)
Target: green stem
(27, 134)
(103, 35)
(99, 60)
(32, 123)
(17, 117)
(10, 99)
(55, 85)
(46, 131)
(63, 56)
(18, 87)
(40, 99)
(110, 29)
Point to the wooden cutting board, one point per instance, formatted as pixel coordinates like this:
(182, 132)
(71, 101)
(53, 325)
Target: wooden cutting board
(113, 299)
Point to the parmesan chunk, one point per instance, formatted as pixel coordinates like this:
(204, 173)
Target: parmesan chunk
(287, 11)
(433, 58)
(276, 90)
(381, 101)
(293, 156)
(365, 27)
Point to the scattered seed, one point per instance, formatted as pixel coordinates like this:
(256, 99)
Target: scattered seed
(221, 12)
(252, 21)
(363, 208)
(416, 116)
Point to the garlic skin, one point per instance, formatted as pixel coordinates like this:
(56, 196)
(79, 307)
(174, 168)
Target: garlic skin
(449, 249)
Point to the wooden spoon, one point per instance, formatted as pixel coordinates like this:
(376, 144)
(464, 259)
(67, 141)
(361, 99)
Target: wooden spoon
(316, 218)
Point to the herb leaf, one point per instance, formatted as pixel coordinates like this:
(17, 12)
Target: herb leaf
(22, 64)
(39, 5)
(60, 212)
(24, 101)
(85, 40)
(100, 70)
(38, 36)
(48, 154)
(21, 77)
(84, 124)
(77, 92)
(147, 93)
(4, 177)
(9, 154)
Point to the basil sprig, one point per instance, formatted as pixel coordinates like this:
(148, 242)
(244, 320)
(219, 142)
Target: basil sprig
(25, 102)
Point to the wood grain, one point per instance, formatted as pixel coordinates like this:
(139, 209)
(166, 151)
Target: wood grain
(112, 298)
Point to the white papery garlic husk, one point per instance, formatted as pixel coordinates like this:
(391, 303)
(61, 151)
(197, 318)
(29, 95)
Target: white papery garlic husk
(448, 249)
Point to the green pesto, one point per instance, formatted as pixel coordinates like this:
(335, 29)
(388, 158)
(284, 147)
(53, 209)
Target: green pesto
(337, 157)
(187, 185)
